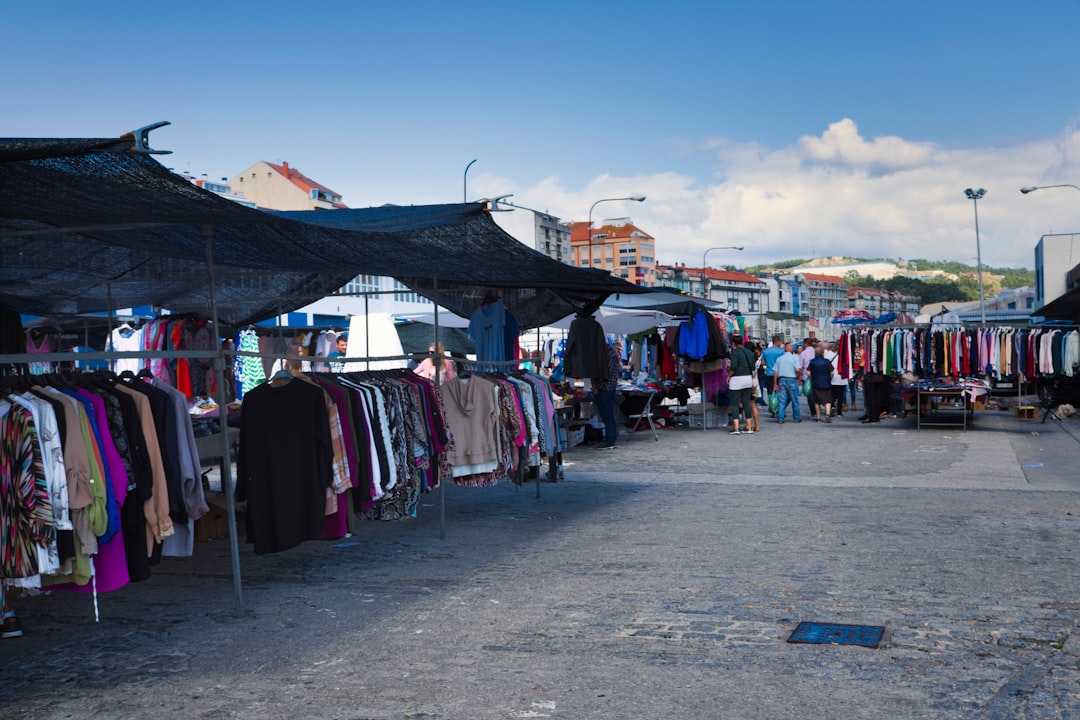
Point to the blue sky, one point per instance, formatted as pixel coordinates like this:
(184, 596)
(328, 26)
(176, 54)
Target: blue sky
(796, 129)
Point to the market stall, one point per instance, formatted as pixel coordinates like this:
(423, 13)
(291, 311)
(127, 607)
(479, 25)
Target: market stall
(89, 225)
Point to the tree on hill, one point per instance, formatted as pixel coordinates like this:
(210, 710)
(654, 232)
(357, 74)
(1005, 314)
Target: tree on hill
(928, 292)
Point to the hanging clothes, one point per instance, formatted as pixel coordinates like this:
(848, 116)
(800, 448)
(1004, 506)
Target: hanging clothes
(586, 349)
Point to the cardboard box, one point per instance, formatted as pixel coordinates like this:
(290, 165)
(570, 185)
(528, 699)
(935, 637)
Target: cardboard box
(214, 525)
(1026, 412)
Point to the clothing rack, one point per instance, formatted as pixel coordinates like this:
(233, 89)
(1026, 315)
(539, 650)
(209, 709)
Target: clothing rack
(554, 459)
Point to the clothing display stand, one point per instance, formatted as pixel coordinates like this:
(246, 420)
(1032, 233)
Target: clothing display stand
(646, 416)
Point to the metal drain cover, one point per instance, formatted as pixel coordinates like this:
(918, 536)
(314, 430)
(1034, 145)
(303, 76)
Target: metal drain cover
(837, 634)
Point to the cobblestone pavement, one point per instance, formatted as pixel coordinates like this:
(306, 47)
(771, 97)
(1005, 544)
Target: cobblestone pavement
(660, 580)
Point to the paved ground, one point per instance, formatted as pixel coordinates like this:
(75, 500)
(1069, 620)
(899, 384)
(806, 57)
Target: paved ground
(660, 580)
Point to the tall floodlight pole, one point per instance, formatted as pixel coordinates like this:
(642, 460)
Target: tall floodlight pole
(588, 230)
(974, 196)
(705, 255)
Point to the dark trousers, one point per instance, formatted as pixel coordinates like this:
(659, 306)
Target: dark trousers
(875, 397)
(838, 393)
(605, 405)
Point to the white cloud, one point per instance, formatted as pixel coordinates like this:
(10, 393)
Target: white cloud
(841, 144)
(842, 194)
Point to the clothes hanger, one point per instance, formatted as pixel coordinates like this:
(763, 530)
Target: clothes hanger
(281, 378)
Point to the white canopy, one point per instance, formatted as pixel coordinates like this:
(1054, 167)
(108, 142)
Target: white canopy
(621, 321)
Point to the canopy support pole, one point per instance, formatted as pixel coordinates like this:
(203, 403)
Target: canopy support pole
(220, 367)
(108, 337)
(438, 362)
(367, 333)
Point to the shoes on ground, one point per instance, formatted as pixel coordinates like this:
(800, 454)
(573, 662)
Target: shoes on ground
(748, 432)
(736, 431)
(12, 628)
(605, 447)
(869, 421)
(828, 419)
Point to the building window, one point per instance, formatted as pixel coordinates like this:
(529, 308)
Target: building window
(403, 294)
(361, 284)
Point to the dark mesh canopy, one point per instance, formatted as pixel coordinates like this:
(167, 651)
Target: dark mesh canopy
(88, 225)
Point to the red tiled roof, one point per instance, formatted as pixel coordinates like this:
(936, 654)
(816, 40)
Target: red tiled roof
(728, 275)
(303, 182)
(822, 278)
(578, 231)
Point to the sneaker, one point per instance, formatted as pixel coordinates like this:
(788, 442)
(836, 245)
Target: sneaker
(605, 447)
(828, 419)
(12, 628)
(747, 432)
(736, 431)
(781, 422)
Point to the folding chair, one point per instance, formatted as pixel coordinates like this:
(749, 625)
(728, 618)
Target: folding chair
(645, 415)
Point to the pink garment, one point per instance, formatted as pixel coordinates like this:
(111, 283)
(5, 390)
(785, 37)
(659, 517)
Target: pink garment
(38, 368)
(110, 563)
(336, 525)
(426, 369)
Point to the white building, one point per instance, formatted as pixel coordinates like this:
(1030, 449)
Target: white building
(552, 237)
(877, 270)
(281, 187)
(1055, 256)
(222, 188)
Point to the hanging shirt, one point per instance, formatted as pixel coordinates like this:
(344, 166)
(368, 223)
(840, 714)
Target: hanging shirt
(487, 329)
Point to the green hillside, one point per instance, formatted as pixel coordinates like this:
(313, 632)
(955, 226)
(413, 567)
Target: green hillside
(964, 286)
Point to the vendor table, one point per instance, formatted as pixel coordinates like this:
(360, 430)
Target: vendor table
(934, 398)
(209, 447)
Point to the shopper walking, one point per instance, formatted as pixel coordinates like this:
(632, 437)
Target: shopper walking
(740, 386)
(787, 376)
(839, 382)
(769, 356)
(821, 372)
(805, 356)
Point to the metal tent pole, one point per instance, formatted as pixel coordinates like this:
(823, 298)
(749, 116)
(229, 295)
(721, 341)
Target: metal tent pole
(108, 337)
(223, 414)
(442, 482)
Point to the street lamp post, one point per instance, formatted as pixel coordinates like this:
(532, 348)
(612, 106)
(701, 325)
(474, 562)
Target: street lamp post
(974, 196)
(705, 255)
(588, 230)
(1033, 188)
(465, 182)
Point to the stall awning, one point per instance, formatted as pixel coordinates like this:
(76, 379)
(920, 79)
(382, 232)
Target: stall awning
(86, 225)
